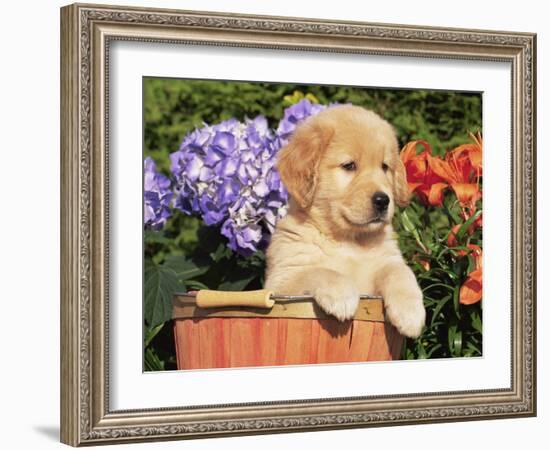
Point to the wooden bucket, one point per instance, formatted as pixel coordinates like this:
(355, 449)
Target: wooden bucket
(286, 333)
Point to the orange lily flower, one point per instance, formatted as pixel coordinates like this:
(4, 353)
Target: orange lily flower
(471, 289)
(472, 155)
(462, 169)
(421, 177)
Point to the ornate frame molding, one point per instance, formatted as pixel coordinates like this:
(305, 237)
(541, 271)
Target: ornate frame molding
(86, 31)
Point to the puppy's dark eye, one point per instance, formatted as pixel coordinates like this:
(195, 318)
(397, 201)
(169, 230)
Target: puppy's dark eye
(350, 167)
(385, 167)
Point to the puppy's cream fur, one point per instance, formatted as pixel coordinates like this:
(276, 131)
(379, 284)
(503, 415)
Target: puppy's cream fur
(333, 244)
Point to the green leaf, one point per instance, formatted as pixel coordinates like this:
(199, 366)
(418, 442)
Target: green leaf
(428, 276)
(451, 337)
(471, 263)
(236, 285)
(433, 350)
(186, 268)
(457, 344)
(456, 300)
(439, 307)
(476, 321)
(464, 227)
(222, 251)
(443, 285)
(454, 215)
(474, 350)
(155, 237)
(446, 272)
(195, 285)
(150, 334)
(408, 225)
(160, 284)
(152, 361)
(455, 340)
(421, 350)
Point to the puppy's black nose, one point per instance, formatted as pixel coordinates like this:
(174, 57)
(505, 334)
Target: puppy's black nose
(380, 201)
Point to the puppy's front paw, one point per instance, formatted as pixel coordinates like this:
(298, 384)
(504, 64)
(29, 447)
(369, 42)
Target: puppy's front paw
(339, 301)
(407, 314)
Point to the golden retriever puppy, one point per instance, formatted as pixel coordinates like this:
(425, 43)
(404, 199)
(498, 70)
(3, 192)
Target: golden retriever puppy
(343, 172)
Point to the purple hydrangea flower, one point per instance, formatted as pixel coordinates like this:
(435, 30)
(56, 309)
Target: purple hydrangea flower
(226, 174)
(295, 114)
(157, 196)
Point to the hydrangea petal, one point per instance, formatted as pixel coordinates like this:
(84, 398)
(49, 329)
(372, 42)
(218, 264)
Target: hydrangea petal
(157, 196)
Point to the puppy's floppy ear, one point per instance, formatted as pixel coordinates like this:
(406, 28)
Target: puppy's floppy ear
(298, 162)
(401, 191)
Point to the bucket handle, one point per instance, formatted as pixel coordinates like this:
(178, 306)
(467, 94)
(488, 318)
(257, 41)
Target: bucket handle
(261, 298)
(216, 299)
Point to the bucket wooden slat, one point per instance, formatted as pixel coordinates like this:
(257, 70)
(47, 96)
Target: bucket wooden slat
(248, 342)
(286, 334)
(360, 335)
(267, 339)
(380, 347)
(332, 343)
(314, 340)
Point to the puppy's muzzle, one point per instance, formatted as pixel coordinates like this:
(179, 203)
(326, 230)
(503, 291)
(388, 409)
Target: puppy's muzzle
(380, 201)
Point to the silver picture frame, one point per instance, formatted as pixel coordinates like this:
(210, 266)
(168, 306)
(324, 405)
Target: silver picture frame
(86, 34)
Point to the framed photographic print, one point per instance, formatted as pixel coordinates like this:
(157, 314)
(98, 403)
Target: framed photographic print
(261, 213)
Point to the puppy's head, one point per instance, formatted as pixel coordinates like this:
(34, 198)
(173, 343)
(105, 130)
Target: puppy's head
(342, 168)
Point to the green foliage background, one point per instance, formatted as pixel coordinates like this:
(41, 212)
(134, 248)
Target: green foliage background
(186, 254)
